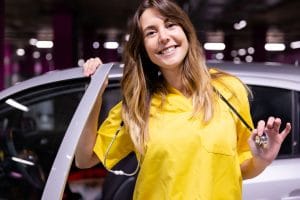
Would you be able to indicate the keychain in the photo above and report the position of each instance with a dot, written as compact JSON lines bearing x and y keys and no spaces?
{"x":261,"y":140}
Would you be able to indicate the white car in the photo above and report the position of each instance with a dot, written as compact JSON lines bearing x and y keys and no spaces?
{"x":41,"y":121}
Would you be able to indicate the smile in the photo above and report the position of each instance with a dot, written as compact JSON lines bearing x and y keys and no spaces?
{"x":168,"y":50}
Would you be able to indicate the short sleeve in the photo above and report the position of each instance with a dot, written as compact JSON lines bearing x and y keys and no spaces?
{"x":240,"y":101}
{"x":236,"y":93}
{"x":120,"y":147}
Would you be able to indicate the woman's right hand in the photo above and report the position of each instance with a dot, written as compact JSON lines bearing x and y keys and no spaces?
{"x":91,"y":65}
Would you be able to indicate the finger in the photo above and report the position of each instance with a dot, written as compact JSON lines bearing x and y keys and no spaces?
{"x":254,"y":133}
{"x":260,"y":127}
{"x":277,"y":124}
{"x":270,"y":122}
{"x":98,"y":60}
{"x":286,"y":130}
{"x":91,"y":65}
{"x":85,"y":69}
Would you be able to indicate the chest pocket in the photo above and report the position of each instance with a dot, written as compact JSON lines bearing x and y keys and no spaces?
{"x":219,"y":136}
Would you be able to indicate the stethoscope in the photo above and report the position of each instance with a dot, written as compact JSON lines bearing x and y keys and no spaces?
{"x":259,"y":140}
{"x":118,"y":172}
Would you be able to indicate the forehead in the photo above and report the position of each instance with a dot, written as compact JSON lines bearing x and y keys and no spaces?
{"x":151,"y":16}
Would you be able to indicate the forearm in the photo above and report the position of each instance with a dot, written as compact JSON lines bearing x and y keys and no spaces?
{"x":84,"y":155}
{"x":253,"y":167}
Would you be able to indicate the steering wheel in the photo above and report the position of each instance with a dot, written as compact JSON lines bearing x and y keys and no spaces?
{"x":25,"y":160}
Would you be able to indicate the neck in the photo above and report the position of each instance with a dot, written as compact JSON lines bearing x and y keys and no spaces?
{"x":174,"y":79}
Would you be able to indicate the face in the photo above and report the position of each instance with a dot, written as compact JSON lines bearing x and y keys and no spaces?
{"x":165,"y":41}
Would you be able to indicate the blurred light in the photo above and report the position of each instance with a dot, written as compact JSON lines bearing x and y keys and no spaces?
{"x":251,"y":50}
{"x":214,"y":46}
{"x":33,"y":41}
{"x":17,"y":105}
{"x":219,"y":56}
{"x":111,"y":45}
{"x":44,"y":44}
{"x":242,"y":52}
{"x":96,"y":45}
{"x":295,"y":45}
{"x":127,"y":36}
{"x":249,"y":59}
{"x":16,"y":174}
{"x":36,"y":54}
{"x":80,"y":62}
{"x":240,"y":25}
{"x":20,"y":52}
{"x":233,"y":53}
{"x":274,"y":47}
{"x":236,"y":60}
{"x":23,"y":161}
{"x":48,"y":56}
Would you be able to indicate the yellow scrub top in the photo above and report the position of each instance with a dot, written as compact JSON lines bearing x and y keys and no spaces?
{"x":185,"y":158}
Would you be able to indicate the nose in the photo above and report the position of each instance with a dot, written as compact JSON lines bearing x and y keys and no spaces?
{"x":163,"y":36}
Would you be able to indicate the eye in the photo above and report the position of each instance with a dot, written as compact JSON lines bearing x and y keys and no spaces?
{"x":149,"y":33}
{"x":170,"y":24}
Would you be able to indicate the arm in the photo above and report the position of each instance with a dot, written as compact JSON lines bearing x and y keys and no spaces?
{"x":264,"y":155}
{"x":84,"y":155}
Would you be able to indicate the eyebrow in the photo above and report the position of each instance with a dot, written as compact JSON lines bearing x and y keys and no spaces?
{"x":150,"y":27}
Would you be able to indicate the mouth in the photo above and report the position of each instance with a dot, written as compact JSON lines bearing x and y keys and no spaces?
{"x":167,"y":51}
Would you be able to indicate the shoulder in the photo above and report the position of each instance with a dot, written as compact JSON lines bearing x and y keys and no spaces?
{"x":227,"y":84}
{"x":115,"y":111}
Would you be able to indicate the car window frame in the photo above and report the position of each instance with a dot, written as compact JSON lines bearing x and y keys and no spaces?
{"x":59,"y":172}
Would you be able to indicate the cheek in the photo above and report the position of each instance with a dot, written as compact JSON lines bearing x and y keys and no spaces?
{"x":149,"y":47}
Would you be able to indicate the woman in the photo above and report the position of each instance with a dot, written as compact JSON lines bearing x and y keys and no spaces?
{"x":190,"y":144}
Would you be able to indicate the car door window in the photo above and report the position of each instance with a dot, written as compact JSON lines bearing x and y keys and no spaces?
{"x":268,"y":101}
{"x":31,"y":135}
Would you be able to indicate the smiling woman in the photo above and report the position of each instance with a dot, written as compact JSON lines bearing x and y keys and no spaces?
{"x":172,"y":117}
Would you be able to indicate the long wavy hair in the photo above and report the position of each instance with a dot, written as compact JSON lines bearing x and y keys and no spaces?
{"x":141,"y":77}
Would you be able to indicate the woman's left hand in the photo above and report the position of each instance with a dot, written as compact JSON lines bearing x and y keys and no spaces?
{"x":268,"y":152}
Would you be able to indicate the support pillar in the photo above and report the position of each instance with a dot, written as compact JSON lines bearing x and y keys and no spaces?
{"x":228,"y":40}
{"x":63,"y":48}
{"x":2,"y":44}
{"x":259,"y":40}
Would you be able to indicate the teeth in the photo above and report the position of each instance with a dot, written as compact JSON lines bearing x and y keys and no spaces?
{"x":168,"y":50}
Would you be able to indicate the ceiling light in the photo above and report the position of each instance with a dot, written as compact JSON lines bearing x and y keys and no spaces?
{"x":96,"y":45}
{"x":295,"y":45}
{"x":274,"y":47}
{"x":36,"y":54}
{"x":48,"y":56}
{"x":219,"y":56}
{"x":249,"y":59}
{"x":44,"y":44}
{"x":33,"y":41}
{"x":217,"y":46}
{"x":80,"y":62}
{"x":251,"y":50}
{"x":240,"y":25}
{"x":20,"y":52}
{"x":111,"y":45}
{"x":242,"y":52}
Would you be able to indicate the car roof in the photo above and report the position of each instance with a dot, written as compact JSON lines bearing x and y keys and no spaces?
{"x":263,"y":74}
{"x":53,"y":77}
